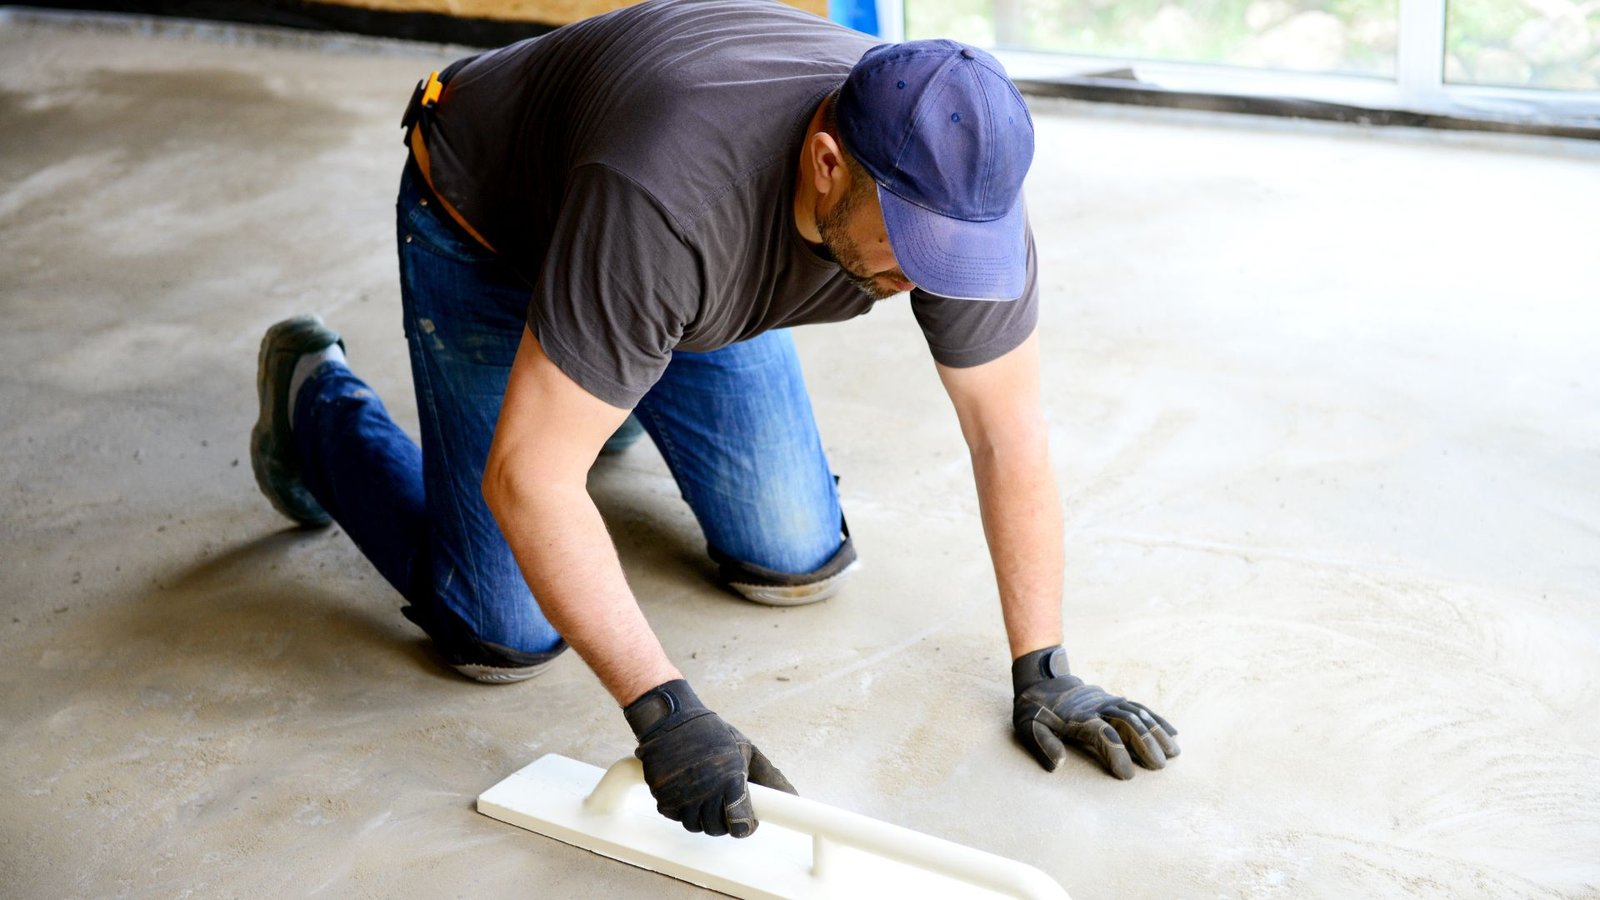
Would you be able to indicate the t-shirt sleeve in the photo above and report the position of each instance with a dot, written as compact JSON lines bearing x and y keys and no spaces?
{"x":616,"y":287}
{"x":965,"y":333}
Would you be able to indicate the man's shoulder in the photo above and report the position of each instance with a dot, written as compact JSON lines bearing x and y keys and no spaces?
{"x":714,"y":104}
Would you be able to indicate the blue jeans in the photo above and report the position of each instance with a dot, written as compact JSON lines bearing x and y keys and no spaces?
{"x":735,"y":427}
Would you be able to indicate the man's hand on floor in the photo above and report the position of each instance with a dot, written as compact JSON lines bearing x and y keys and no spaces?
{"x":1053,"y":707}
{"x":696,"y":764}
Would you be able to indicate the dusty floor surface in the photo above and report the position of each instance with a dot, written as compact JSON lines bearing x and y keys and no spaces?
{"x":1327,"y":422}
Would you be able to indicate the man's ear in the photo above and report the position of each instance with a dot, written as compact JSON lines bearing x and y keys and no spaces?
{"x":829,"y":174}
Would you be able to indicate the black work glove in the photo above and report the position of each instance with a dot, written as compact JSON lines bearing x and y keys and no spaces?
{"x":696,"y":764}
{"x":1053,"y":706}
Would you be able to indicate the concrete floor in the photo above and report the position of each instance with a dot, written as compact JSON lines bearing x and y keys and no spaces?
{"x":1326,"y":418}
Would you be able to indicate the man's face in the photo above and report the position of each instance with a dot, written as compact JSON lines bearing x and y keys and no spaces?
{"x":854,"y":235}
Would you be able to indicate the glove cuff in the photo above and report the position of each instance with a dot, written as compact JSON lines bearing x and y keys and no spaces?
{"x":656,"y":705}
{"x":1040,"y":665}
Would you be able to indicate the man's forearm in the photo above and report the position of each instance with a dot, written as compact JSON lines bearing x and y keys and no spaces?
{"x":1001,"y":418}
{"x":573,"y":571}
{"x":1022,"y":522}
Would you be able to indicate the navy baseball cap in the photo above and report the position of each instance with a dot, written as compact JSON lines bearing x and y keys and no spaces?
{"x":944,"y":133}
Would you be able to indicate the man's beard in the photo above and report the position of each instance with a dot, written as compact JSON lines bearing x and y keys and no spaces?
{"x":834,"y":227}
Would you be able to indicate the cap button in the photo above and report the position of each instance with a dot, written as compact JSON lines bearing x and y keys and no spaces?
{"x":966,"y":53}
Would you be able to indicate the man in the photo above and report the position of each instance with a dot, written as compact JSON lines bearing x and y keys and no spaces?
{"x":623,"y":215}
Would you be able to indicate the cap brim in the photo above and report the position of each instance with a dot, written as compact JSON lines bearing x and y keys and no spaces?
{"x":956,"y":258}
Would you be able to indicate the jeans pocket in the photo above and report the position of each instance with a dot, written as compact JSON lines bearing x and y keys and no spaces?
{"x":424,"y":222}
{"x":420,"y":218}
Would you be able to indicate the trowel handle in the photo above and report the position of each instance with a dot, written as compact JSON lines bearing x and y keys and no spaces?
{"x":830,"y":825}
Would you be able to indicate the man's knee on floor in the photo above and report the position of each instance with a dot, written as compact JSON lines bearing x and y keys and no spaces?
{"x":775,"y":588}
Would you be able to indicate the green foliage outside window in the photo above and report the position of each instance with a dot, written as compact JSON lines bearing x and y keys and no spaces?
{"x":1524,"y":43}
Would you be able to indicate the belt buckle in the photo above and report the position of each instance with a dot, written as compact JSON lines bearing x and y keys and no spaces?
{"x":424,"y":96}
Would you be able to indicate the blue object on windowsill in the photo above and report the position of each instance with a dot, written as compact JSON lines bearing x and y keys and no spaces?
{"x":862,"y":15}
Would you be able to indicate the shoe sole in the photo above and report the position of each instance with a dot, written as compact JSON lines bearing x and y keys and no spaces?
{"x":501,"y":674}
{"x":796,"y":594}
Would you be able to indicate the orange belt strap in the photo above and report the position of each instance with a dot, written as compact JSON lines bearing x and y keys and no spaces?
{"x":419,"y":151}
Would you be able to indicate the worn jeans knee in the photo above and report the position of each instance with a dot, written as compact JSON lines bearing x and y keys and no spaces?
{"x":479,"y":659}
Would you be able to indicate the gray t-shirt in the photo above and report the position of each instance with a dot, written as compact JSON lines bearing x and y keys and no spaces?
{"x":638,"y":169}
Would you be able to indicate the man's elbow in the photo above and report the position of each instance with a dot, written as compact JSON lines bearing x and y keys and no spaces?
{"x":495,"y":485}
{"x":506,"y":485}
{"x":516,"y":484}
{"x":1017,"y":446}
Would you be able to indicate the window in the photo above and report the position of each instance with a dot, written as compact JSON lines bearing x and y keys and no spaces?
{"x":1528,"y":64}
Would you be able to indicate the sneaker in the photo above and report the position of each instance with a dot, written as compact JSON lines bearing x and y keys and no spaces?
{"x":487,"y":674}
{"x":772,"y":588}
{"x":271,"y":444}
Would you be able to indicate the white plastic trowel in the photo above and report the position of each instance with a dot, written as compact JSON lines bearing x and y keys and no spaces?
{"x":803,"y":848}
